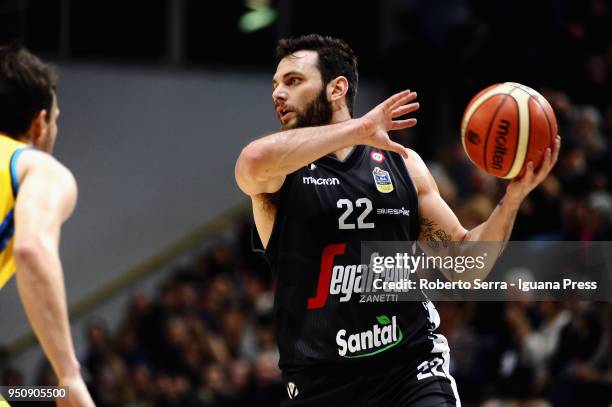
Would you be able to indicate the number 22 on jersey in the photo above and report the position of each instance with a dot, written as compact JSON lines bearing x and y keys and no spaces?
{"x":348,"y":204}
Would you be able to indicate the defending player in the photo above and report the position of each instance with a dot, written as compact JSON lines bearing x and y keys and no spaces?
{"x":316,"y":187}
{"x":37,"y":194}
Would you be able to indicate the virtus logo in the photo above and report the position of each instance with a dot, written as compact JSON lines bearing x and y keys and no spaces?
{"x":370,"y":342}
{"x":292,"y":390}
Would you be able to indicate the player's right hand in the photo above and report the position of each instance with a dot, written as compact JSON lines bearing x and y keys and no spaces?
{"x":380,"y":120}
{"x":78,"y":395}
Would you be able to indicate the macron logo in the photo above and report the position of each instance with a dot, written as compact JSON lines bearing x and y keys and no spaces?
{"x":320,"y":181}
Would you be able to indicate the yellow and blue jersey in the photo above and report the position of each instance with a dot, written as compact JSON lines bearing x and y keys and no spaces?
{"x":10,"y":149}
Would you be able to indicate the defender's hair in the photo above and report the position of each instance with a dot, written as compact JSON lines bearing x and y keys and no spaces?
{"x":26,"y":88}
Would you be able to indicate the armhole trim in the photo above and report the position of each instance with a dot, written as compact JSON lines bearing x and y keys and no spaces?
{"x":13,"y":169}
{"x":6,"y":230}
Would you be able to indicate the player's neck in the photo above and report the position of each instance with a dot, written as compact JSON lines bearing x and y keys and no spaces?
{"x":341,"y":115}
{"x":342,"y":153}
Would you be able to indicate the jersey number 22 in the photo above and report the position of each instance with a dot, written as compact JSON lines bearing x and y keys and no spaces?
{"x":361,"y":223}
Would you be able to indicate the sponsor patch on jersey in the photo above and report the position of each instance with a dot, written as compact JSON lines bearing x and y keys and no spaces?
{"x":382,"y":179}
{"x":384,"y":335}
{"x":393,"y":211}
{"x":377,"y":156}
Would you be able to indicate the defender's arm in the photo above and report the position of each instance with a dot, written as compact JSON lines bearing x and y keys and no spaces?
{"x":46,"y":198}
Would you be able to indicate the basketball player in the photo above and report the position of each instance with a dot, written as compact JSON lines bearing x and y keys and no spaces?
{"x":316,"y":187}
{"x":37,"y":194}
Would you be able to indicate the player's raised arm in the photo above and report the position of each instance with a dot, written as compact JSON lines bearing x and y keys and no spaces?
{"x":438,"y":222}
{"x":263,"y":164}
{"x":47,"y":196}
{"x":498,"y":226}
{"x":440,"y":225}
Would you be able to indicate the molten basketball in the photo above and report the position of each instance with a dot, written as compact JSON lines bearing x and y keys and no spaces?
{"x":505,"y":126}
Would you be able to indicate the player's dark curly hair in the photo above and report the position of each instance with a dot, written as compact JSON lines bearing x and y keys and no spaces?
{"x":336,"y":58}
{"x":26,"y":87}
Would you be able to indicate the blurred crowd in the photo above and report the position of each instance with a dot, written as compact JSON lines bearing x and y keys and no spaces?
{"x":206,"y":338}
{"x":562,"y":49}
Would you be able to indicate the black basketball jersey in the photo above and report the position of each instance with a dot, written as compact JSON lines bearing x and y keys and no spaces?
{"x":324,"y":211}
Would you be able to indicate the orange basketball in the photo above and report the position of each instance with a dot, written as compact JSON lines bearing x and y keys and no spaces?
{"x":505,"y":126}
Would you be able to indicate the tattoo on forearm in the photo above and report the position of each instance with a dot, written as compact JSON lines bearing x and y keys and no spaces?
{"x":433,"y":234}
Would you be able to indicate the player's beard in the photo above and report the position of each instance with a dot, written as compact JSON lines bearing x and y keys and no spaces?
{"x":317,"y":113}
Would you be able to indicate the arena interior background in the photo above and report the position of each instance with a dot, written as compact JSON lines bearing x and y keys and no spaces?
{"x":157,"y":98}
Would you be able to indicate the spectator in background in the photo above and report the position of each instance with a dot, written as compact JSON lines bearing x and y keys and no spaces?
{"x":214,"y":391}
{"x":240,"y":383}
{"x":538,"y":344}
{"x":590,"y":138}
{"x":583,"y":358}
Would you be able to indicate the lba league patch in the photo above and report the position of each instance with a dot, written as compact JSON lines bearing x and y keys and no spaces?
{"x":382,"y":179}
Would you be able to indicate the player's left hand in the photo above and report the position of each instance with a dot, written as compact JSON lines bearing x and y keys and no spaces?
{"x":520,"y":187}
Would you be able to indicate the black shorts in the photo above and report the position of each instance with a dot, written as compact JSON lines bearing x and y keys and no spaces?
{"x":426,"y":383}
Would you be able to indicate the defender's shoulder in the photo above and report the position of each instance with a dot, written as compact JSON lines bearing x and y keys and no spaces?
{"x":33,"y":160}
